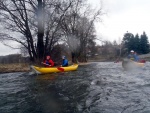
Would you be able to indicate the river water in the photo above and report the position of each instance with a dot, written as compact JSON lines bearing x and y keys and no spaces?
{"x":102,"y":87}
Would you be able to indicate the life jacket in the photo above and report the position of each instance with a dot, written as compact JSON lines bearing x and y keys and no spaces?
{"x":65,"y":62}
{"x":49,"y":62}
{"x":133,"y":57}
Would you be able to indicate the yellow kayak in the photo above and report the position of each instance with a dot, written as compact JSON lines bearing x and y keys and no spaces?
{"x":45,"y":70}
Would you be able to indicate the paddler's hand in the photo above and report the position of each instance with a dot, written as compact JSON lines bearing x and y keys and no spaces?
{"x":45,"y":64}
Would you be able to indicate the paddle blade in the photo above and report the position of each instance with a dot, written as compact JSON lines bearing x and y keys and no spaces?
{"x":142,"y":61}
{"x":60,"y":68}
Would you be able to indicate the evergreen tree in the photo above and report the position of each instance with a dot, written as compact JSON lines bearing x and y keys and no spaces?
{"x":137,"y":44}
{"x":128,"y":41}
{"x":144,"y":44}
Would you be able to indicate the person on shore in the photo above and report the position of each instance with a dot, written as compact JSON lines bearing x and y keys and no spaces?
{"x":64,"y":61}
{"x":48,"y":62}
{"x":133,"y":56}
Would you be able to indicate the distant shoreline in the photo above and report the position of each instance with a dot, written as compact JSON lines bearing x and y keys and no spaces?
{"x":16,"y":67}
{"x":22,"y":67}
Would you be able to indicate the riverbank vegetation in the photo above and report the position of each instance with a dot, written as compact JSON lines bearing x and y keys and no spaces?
{"x":15,"y":67}
{"x":60,"y":27}
{"x":107,"y":51}
{"x":40,"y":26}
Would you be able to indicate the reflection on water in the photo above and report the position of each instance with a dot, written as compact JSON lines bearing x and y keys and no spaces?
{"x":102,"y":87}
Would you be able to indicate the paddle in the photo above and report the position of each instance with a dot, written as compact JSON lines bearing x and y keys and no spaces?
{"x":60,"y":68}
{"x":142,"y":61}
{"x":45,"y":64}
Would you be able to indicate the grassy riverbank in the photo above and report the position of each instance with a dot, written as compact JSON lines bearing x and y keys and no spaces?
{"x":20,"y":67}
{"x":7,"y":68}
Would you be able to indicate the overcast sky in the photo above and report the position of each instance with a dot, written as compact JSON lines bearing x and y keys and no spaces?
{"x":122,"y":16}
{"x":4,"y":50}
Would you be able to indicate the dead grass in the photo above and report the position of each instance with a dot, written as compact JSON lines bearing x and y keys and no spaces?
{"x":6,"y":68}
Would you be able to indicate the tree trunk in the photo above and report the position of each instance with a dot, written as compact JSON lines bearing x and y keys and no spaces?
{"x":40,"y":43}
{"x":74,"y":57}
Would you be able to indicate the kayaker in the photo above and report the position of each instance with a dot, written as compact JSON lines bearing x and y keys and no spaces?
{"x":136,"y":57}
{"x":64,"y":61}
{"x":48,"y":62}
{"x":133,"y":56}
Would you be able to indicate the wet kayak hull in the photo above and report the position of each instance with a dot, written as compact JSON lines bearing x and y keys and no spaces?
{"x":45,"y":70}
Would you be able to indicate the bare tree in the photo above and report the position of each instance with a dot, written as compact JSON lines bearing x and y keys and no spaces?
{"x":32,"y":23}
{"x":39,"y":24}
{"x":78,"y":27}
{"x":54,"y":13}
{"x":15,"y":18}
